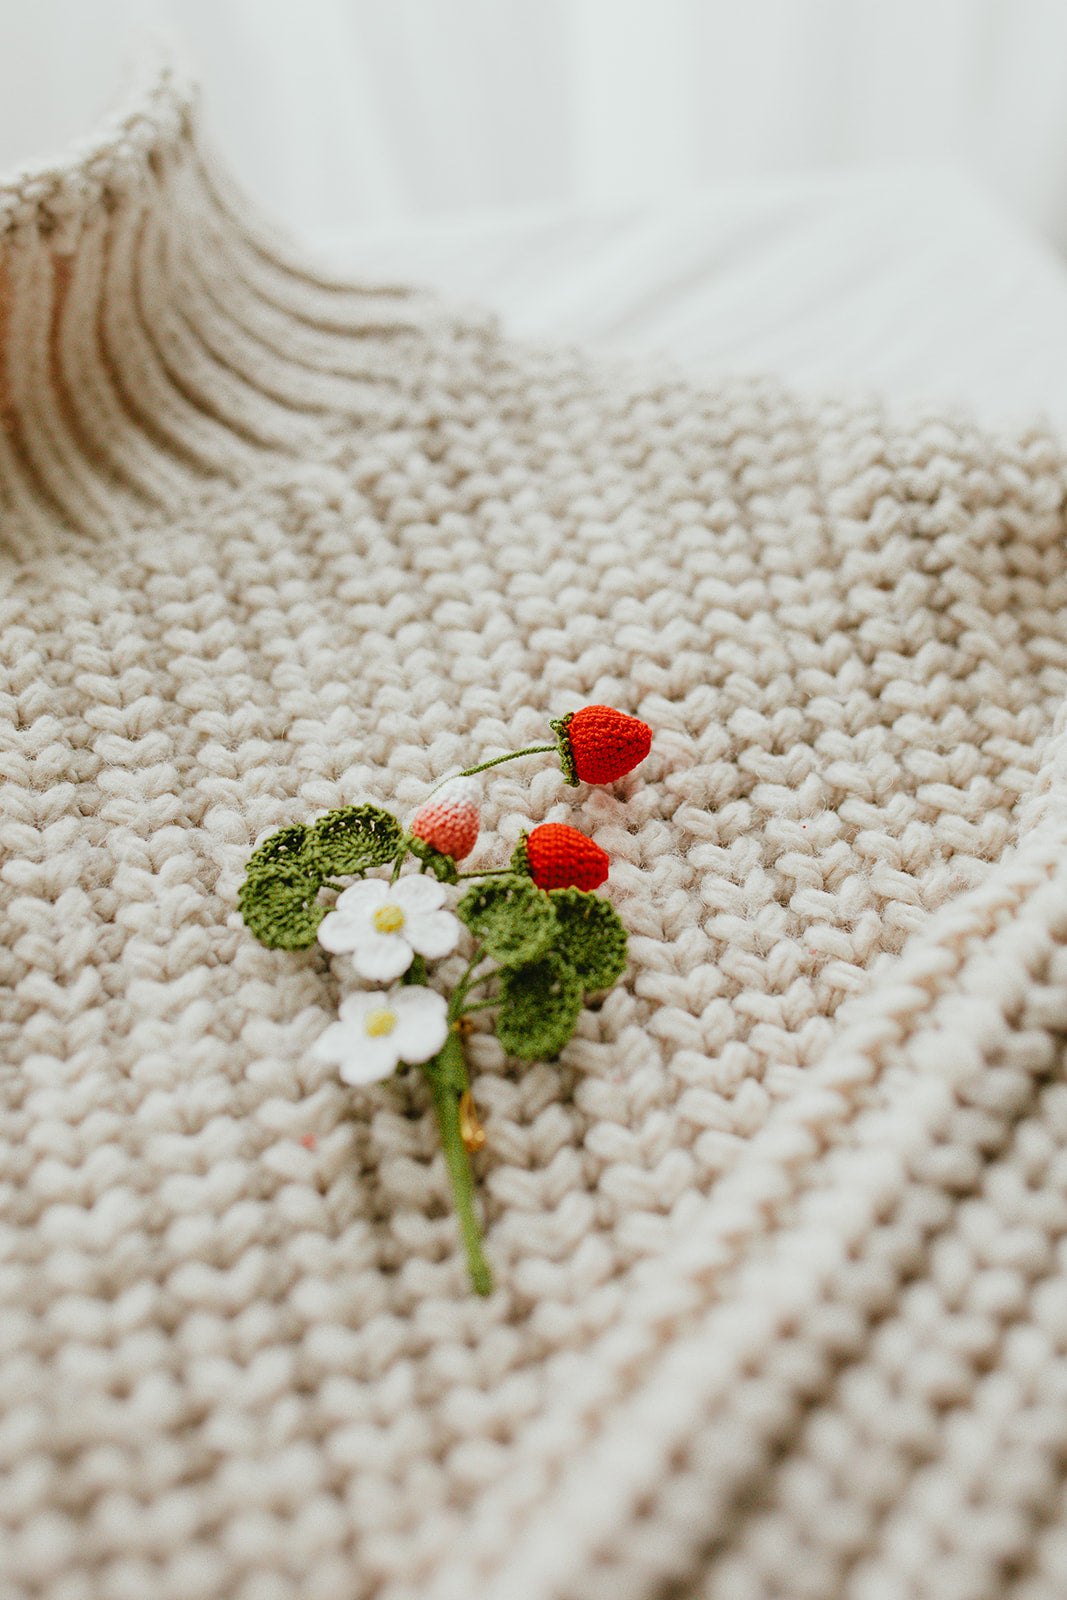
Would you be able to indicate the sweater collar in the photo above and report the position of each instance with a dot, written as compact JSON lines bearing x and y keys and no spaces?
{"x":156,"y":337}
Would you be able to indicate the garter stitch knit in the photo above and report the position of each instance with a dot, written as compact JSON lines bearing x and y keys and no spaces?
{"x":780,"y":1238}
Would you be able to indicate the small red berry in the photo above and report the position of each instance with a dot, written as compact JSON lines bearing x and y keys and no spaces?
{"x":562,"y":858}
{"x":449,"y":819}
{"x":599,"y":744}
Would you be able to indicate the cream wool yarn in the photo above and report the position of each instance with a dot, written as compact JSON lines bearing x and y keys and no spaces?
{"x":779,"y":1240}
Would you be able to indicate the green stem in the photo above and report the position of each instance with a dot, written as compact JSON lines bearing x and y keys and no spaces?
{"x":488,"y":872}
{"x":530,"y":750}
{"x":480,"y":1005}
{"x":466,"y":982}
{"x":446,"y":1074}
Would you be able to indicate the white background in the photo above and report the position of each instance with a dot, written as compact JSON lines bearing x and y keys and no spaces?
{"x":336,"y":112}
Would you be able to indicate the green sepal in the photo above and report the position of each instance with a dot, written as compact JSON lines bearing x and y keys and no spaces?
{"x":539,"y":1006}
{"x":510,"y":917}
{"x":566,"y":754}
{"x":278,"y":904}
{"x":520,"y":857}
{"x":354,"y":838}
{"x":590,"y":937}
{"x":288,"y":847}
{"x":443,"y":867}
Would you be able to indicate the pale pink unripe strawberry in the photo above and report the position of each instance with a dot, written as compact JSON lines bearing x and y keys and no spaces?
{"x":448,"y":820}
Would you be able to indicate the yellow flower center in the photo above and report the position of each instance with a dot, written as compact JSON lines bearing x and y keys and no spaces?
{"x":379,"y":1022}
{"x":388,"y":919}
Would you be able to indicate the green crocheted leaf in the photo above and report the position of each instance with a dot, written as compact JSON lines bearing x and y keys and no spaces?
{"x":354,"y":838}
{"x":279,"y":906}
{"x":590,"y":937}
{"x":289,"y":847}
{"x":511,"y":917}
{"x":539,"y":1005}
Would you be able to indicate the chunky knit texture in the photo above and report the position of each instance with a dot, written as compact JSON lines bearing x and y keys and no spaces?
{"x":779,"y":1238}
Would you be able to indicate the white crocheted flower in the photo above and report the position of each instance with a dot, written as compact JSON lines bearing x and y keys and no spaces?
{"x":383,"y":925}
{"x":377,"y":1031}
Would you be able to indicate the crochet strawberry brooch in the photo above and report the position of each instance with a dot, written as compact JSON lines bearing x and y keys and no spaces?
{"x":538,"y":940}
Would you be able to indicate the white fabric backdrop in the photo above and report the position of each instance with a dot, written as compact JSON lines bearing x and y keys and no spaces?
{"x":337,"y":111}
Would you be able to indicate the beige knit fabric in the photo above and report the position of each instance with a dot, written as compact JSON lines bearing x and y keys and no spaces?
{"x":779,"y":1240}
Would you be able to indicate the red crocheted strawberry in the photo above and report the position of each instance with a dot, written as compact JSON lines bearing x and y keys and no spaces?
{"x":600,"y":744}
{"x":448,"y":820}
{"x":558,"y":857}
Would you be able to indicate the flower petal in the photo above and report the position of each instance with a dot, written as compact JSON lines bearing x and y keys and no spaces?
{"x":415,"y":894}
{"x":337,"y":932}
{"x":354,"y":1007}
{"x":421,"y":1026}
{"x":333,"y":1043}
{"x":433,"y":933}
{"x":371,"y":1060}
{"x":381,"y":957}
{"x":360,"y":899}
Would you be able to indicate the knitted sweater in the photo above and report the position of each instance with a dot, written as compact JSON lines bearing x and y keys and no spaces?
{"x":779,"y":1238}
